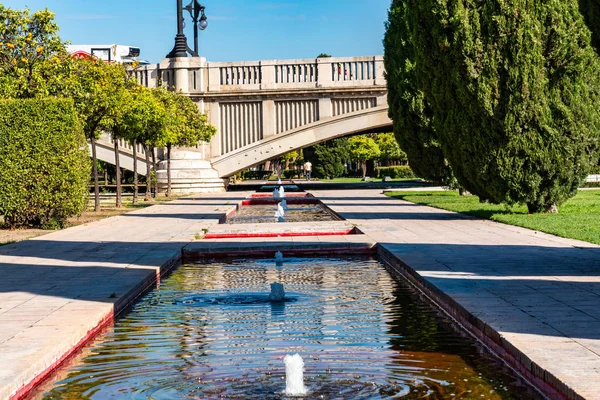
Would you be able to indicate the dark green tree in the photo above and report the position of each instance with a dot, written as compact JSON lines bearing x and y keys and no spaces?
{"x":514,"y":88}
{"x":410,"y":112}
{"x":328,"y":158}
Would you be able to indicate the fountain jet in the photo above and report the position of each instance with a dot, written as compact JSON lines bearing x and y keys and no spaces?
{"x":280,"y":213}
{"x":294,"y":375}
{"x":277,"y":292}
{"x":279,"y":257}
{"x":281,"y":192}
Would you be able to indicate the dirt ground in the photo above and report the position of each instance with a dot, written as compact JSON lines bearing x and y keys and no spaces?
{"x":17,"y":235}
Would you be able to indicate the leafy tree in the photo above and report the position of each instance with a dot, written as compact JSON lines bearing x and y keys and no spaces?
{"x":98,"y":95}
{"x":328,"y":157}
{"x":324,"y":55}
{"x":289,"y":157}
{"x":117,"y":122}
{"x":363,"y":148}
{"x":30,"y":50}
{"x":145,"y":120}
{"x":390,"y":150}
{"x":514,"y":88}
{"x":409,"y":110}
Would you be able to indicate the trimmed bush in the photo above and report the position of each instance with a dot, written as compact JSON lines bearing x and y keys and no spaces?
{"x":44,"y":163}
{"x":398,"y":171}
{"x":292,"y":173}
{"x":260,"y":175}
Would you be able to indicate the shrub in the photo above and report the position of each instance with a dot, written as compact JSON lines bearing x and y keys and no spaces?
{"x":399,"y":171}
{"x":256,"y":174}
{"x":291,"y":173}
{"x":45,"y":167}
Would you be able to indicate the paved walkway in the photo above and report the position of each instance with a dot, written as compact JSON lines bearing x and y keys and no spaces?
{"x":539,"y":292}
{"x":535,"y":294}
{"x":58,"y":288}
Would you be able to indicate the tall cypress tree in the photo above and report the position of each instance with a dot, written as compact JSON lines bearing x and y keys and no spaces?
{"x":514,"y":86}
{"x":408,"y":108}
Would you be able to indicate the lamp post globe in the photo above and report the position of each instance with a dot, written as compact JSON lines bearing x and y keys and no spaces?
{"x":203,"y":23}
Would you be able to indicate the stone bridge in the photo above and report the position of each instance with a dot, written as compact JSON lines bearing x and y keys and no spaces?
{"x":264,"y":109}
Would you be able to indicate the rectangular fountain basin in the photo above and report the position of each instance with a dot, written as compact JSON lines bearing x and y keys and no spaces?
{"x":211,"y":331}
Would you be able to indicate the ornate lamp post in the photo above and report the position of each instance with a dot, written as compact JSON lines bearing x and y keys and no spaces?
{"x":196,"y":11}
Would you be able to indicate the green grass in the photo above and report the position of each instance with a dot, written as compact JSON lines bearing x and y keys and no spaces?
{"x":578,"y":218}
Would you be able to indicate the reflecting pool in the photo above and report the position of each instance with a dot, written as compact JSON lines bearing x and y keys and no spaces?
{"x":264,"y":213}
{"x":209,"y":331}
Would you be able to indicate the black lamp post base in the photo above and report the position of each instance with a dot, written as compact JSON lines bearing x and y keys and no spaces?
{"x":181,"y":47}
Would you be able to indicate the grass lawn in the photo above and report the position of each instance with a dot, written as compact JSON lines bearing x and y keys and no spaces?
{"x":578,"y":218}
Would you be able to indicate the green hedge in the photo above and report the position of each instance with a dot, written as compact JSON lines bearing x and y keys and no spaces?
{"x":260,"y":175}
{"x":45,"y":165}
{"x":292,"y":173}
{"x":399,"y":171}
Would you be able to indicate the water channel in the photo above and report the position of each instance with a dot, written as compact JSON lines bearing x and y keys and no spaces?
{"x":210,"y":331}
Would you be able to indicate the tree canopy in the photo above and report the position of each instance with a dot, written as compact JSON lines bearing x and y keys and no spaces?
{"x":409,"y":110}
{"x":513,"y":88}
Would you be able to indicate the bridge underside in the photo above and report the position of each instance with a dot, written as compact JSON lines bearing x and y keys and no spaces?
{"x":370,"y":120}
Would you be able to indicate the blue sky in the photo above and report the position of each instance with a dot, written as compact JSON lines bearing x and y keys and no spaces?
{"x":238,"y":29}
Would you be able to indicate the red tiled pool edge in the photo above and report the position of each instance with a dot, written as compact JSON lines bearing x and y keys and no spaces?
{"x":121,"y":305}
{"x":537,"y":376}
{"x":351,"y":231}
{"x":334,"y":251}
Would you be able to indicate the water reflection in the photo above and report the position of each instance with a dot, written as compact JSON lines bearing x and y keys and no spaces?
{"x":362,"y":336}
{"x":263,"y":213}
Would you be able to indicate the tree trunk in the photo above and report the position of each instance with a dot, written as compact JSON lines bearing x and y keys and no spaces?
{"x":364,"y":169}
{"x":135,"y":174}
{"x":95,"y":172}
{"x":551,"y":208}
{"x":538,"y":208}
{"x":168,"y":170}
{"x":154,"y":169}
{"x":148,"y":195}
{"x":117,"y":173}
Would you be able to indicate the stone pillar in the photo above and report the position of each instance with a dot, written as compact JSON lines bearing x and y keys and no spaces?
{"x":214,"y":77}
{"x":214,"y":117}
{"x":325,"y":110}
{"x":267,"y":69}
{"x":379,"y":71}
{"x":324,"y":72}
{"x":190,"y":171}
{"x":268,"y":118}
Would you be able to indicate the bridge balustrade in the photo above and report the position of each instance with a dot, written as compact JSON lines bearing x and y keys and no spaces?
{"x":320,"y":73}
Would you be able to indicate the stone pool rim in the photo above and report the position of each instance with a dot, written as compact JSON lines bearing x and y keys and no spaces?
{"x":535,"y":376}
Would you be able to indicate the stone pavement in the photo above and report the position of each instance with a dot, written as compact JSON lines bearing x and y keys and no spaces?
{"x":58,"y":289}
{"x":539,"y":294}
{"x":535,"y":296}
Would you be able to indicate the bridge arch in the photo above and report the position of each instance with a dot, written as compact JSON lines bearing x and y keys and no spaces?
{"x":368,"y":120}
